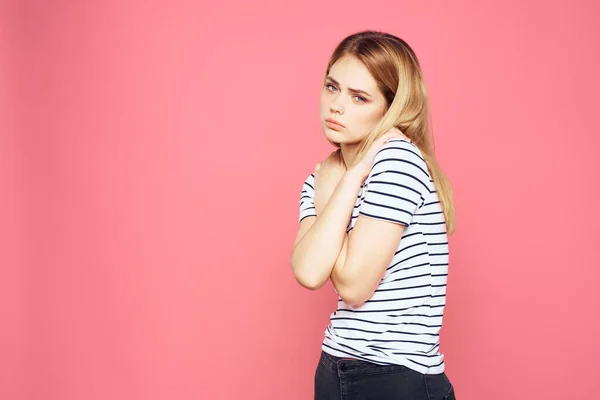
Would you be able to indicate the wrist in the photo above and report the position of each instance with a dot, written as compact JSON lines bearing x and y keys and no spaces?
{"x":356,"y":174}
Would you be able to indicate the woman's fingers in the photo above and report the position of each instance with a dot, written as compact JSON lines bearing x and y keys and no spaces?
{"x":383,"y":139}
{"x":380,"y":141}
{"x":400,"y":133}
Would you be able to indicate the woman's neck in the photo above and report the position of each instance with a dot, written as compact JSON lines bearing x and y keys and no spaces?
{"x":348,"y":153}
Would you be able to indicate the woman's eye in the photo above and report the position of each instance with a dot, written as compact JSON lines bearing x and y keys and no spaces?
{"x":330,"y":87}
{"x":360,"y":99}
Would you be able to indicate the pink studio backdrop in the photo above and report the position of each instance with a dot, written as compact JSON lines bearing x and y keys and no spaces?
{"x":152,"y":156}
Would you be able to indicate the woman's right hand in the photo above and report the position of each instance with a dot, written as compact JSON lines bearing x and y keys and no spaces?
{"x":328,"y":174}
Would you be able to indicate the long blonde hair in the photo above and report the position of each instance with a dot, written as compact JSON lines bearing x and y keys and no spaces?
{"x":395,"y":67}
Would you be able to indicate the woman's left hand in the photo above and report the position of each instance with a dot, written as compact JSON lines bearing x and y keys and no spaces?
{"x":363,"y":168}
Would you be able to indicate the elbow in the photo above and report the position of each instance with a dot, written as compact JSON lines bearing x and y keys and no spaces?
{"x":310,"y":283}
{"x":352,"y":297}
{"x":352,"y":291}
{"x":307,"y":279}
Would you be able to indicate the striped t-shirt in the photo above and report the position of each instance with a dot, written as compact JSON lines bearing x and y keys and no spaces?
{"x":400,"y":323}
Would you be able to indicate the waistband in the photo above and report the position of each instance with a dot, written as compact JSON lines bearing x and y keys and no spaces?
{"x":353,"y":367}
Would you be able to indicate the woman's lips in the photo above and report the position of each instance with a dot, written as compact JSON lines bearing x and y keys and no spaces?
{"x":336,"y":126}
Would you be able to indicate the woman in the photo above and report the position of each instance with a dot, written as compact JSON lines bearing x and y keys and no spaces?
{"x":374,"y":218}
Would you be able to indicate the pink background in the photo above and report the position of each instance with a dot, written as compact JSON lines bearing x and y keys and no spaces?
{"x":151,"y":158}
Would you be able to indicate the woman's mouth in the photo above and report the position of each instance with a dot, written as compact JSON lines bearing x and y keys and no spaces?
{"x":333,"y":124}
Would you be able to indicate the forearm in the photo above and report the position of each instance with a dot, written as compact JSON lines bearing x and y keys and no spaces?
{"x":315,"y":255}
{"x":341,"y":260}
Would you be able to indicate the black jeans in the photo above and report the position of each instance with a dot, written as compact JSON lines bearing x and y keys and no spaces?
{"x":342,"y":379}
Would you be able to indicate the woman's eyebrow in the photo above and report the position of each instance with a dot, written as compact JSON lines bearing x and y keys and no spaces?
{"x":352,"y":90}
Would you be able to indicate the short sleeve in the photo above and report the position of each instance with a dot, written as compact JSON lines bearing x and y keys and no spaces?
{"x":397,"y":184}
{"x":307,"y":198}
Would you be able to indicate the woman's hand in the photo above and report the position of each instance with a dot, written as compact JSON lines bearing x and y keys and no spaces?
{"x":363,"y":168}
{"x":328,"y":173}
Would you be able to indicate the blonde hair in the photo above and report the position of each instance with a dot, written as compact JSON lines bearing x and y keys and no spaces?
{"x":395,"y":67}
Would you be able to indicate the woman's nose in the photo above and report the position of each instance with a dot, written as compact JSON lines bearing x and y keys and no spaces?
{"x":336,"y":107}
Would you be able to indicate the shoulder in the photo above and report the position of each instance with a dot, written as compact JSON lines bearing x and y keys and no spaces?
{"x":399,"y":154}
{"x":399,"y":148}
{"x":400,"y":163}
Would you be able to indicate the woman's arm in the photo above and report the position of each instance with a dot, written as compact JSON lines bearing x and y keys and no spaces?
{"x":320,"y":239}
{"x":317,"y":250}
{"x":398,"y":184}
{"x":367,"y":251}
{"x":341,"y":260}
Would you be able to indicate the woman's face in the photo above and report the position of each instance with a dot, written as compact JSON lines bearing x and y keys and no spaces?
{"x":351,"y":102}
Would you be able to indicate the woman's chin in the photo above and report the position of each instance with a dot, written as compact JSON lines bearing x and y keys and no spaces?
{"x":333,"y":136}
{"x":340,"y":139}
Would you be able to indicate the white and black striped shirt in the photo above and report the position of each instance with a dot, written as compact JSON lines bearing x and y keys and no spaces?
{"x":401,"y":322}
